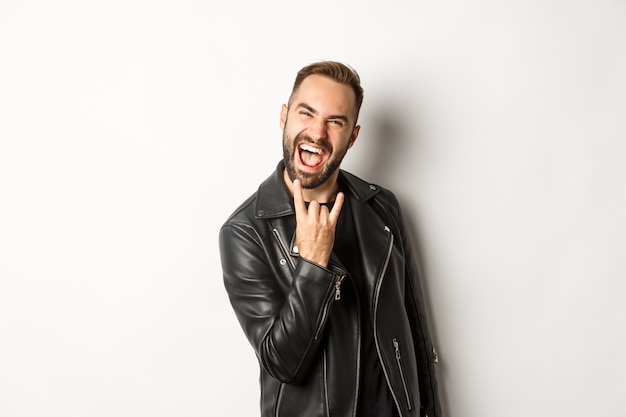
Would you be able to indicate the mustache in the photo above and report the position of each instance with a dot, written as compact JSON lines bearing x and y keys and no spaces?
{"x":324,"y":144}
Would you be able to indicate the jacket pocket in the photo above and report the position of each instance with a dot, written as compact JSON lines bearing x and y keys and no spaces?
{"x":405,"y":387}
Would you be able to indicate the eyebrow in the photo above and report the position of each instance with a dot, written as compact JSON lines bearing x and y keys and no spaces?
{"x":315,"y":112}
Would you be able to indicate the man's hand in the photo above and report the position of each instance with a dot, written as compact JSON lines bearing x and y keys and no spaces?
{"x":315,"y":227}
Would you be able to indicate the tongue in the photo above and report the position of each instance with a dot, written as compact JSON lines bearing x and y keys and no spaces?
{"x":310,"y":159}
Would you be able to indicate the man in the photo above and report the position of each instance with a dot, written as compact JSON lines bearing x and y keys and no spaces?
{"x":321,"y":275}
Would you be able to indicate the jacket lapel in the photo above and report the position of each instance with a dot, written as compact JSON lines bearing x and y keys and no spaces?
{"x":372,"y":234}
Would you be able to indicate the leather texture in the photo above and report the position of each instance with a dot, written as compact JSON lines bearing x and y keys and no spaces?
{"x":305,"y":335}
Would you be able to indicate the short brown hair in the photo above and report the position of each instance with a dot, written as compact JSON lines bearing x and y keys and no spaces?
{"x":339,"y":72}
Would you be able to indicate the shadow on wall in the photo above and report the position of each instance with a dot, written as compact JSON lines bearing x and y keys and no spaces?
{"x":389,"y":160}
{"x":391,"y":138}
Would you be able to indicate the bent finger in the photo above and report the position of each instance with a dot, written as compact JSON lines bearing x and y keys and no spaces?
{"x":315,"y":208}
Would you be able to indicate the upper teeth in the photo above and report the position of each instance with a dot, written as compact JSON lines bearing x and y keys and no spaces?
{"x":310,"y":148}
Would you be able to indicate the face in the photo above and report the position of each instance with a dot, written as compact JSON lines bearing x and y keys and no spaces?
{"x":318,"y":129}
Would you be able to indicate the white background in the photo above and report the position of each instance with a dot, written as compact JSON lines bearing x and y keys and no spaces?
{"x":131,"y":129}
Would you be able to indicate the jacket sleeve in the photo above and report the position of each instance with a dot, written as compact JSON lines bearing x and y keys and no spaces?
{"x":424,"y":350}
{"x":284,"y":327}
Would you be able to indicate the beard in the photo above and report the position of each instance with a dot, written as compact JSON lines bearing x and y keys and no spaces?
{"x":310,"y":180}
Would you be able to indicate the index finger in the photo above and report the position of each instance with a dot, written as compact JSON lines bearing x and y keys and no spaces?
{"x":298,"y":198}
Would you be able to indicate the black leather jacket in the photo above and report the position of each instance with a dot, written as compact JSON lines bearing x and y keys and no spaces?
{"x":305,"y":338}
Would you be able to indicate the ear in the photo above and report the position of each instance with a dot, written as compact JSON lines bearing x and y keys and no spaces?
{"x":283,"y":116}
{"x":355,"y":134}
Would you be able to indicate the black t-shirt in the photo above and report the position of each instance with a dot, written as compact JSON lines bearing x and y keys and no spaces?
{"x":375,"y":399}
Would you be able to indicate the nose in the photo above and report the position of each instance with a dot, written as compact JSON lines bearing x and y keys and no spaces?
{"x":318,"y":129}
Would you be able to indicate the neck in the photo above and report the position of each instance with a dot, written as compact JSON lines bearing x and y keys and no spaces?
{"x":325,"y":193}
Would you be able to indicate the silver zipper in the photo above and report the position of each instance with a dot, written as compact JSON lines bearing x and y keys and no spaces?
{"x":339,"y":279}
{"x":283,"y":247}
{"x":396,"y":346}
{"x":337,"y":290}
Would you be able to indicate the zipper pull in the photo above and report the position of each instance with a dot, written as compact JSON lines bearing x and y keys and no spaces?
{"x":338,"y":282}
{"x":397,"y":347}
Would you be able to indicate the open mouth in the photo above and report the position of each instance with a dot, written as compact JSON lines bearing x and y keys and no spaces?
{"x":311,"y":156}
